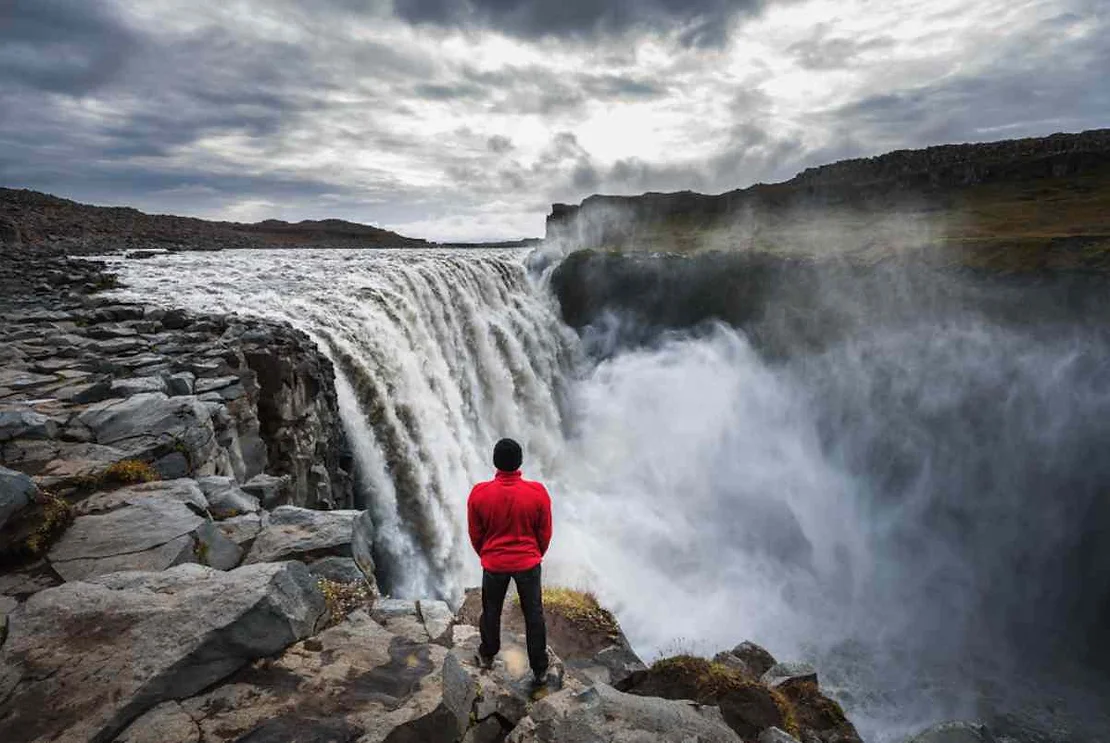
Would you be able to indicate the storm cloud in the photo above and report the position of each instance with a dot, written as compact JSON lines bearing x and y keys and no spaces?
{"x":465,"y":119}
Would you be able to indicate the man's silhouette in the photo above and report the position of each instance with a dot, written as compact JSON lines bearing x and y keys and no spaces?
{"x":509,"y":520}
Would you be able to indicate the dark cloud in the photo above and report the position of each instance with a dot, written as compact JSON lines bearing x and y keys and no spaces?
{"x":702,"y":22}
{"x":64,"y":46}
{"x":499,"y":144}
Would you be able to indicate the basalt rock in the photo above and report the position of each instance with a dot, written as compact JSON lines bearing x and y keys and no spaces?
{"x":98,"y":654}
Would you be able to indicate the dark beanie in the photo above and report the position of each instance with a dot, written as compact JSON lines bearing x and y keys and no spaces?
{"x":507,"y":455}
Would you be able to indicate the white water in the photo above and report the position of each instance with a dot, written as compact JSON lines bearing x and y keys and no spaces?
{"x":695,"y":486}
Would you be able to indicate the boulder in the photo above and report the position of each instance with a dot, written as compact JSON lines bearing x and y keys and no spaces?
{"x":26,"y":424}
{"x":354,"y":681}
{"x":954,"y":732}
{"x":103,"y":652}
{"x":401,"y":617}
{"x":304,"y":534}
{"x":181,"y":384}
{"x":176,"y":434}
{"x":783,"y":674}
{"x":751,"y":660}
{"x":774,"y":735}
{"x":149,"y":533}
{"x":17,"y":491}
{"x":748,"y":707}
{"x":225,"y":498}
{"x":580,"y":631}
{"x":136,"y":385}
{"x":270,"y":490}
{"x":504,"y":692}
{"x":212,"y":547}
{"x":241,"y":529}
{"x":338,"y":569}
{"x":182,"y":490}
{"x":438,"y":620}
{"x":601,"y":713}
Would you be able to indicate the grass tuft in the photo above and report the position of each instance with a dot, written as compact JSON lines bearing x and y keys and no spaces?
{"x":129,"y":472}
{"x":580,"y":608}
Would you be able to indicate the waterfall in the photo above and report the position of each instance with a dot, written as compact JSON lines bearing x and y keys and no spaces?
{"x":912,"y":503}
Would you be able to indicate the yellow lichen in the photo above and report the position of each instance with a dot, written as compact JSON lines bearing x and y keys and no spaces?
{"x":129,"y":472}
{"x":343,"y":598}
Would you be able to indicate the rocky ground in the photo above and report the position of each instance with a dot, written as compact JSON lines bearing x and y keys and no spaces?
{"x":181,"y":561}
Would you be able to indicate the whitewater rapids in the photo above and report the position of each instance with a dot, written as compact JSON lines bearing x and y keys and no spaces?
{"x":707,"y":494}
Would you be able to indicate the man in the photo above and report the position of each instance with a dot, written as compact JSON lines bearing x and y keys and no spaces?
{"x":509,"y":519}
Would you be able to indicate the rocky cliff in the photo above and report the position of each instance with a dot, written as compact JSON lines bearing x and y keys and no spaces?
{"x":1019,"y":205}
{"x":32,"y":219}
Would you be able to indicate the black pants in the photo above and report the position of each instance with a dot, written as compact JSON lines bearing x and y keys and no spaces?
{"x":494,"y":587}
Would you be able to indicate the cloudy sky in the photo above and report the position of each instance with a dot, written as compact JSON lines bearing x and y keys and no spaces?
{"x":465,"y":119}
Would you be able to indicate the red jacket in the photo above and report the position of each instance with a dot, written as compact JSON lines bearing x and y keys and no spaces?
{"x":509,"y":519}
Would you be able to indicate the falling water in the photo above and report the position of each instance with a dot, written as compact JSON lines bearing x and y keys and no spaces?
{"x":903,"y":506}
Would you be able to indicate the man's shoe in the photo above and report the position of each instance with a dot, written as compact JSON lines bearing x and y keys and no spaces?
{"x":539,"y":679}
{"x":484,"y":662}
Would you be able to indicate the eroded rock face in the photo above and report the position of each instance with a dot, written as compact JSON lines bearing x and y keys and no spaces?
{"x":100,"y":653}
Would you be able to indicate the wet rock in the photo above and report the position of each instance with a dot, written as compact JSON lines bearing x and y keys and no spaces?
{"x":149,"y":533}
{"x":225,"y":498}
{"x":17,"y":491}
{"x":301,"y":533}
{"x":362,"y":544}
{"x":79,"y":645}
{"x":602,"y":713}
{"x":954,"y":732}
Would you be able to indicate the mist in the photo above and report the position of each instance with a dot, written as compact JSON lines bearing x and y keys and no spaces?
{"x":889,"y":470}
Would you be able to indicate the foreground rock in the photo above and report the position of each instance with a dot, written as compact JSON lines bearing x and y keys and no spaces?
{"x":585,"y":635}
{"x":100,"y":653}
{"x":788,"y":700}
{"x":355,"y":681}
{"x":601,"y":713}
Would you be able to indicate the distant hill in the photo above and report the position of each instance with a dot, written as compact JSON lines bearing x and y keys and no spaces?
{"x":36,"y":219}
{"x":1014,"y":205}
